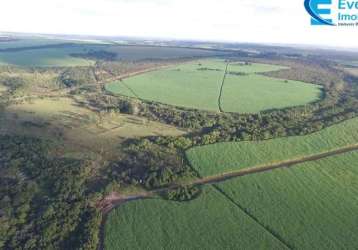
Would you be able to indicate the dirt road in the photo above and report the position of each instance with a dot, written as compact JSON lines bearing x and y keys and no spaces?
{"x":113,"y":200}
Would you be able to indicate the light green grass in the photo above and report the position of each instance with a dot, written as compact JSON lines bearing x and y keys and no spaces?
{"x":183,"y":85}
{"x":253,"y":68}
{"x":209,"y":222}
{"x":311,"y":206}
{"x":63,"y":120}
{"x":186,"y":86}
{"x":45,"y":58}
{"x":254,"y":93}
{"x":120,"y":87}
{"x":2,"y":89}
{"x":231,"y":156}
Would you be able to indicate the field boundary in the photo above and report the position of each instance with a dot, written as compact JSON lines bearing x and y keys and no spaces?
{"x":266,"y":228}
{"x":130,"y":89}
{"x":222,"y":88}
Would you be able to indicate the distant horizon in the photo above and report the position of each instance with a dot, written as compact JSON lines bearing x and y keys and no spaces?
{"x":163,"y":38}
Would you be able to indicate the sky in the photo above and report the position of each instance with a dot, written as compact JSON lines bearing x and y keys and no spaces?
{"x":259,"y":21}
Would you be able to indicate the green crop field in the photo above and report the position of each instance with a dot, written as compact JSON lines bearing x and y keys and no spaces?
{"x":183,"y":85}
{"x":209,"y":222}
{"x":254,"y":93}
{"x":310,"y":206}
{"x":231,"y":156}
{"x":197,"y":85}
{"x":45,"y":58}
{"x":253,"y":68}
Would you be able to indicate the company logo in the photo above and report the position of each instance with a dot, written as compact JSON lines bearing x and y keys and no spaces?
{"x":313,"y":8}
{"x":333,"y":12}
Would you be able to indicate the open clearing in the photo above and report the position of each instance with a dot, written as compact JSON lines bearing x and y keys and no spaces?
{"x":225,"y":157}
{"x":2,"y":89}
{"x":209,"y":222}
{"x":197,"y":85}
{"x":353,"y":71}
{"x":52,"y":57}
{"x":62,"y":119}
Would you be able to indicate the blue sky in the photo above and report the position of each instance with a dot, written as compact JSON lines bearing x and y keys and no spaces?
{"x":263,"y":21}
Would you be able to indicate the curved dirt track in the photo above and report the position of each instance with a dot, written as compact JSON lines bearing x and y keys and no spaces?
{"x":110,"y":202}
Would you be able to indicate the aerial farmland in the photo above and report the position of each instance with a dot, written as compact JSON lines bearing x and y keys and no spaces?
{"x":124,"y":145}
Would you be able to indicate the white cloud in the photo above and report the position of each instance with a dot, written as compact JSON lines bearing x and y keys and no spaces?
{"x":269,"y":21}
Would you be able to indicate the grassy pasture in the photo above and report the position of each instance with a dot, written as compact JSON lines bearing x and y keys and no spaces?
{"x":50,"y":57}
{"x":253,"y":68}
{"x":311,"y":206}
{"x":209,"y":222}
{"x":197,"y":85}
{"x":63,"y":120}
{"x":24,"y":83}
{"x":225,"y":157}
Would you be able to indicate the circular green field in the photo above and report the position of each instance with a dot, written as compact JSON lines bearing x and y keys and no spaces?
{"x":201,"y":85}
